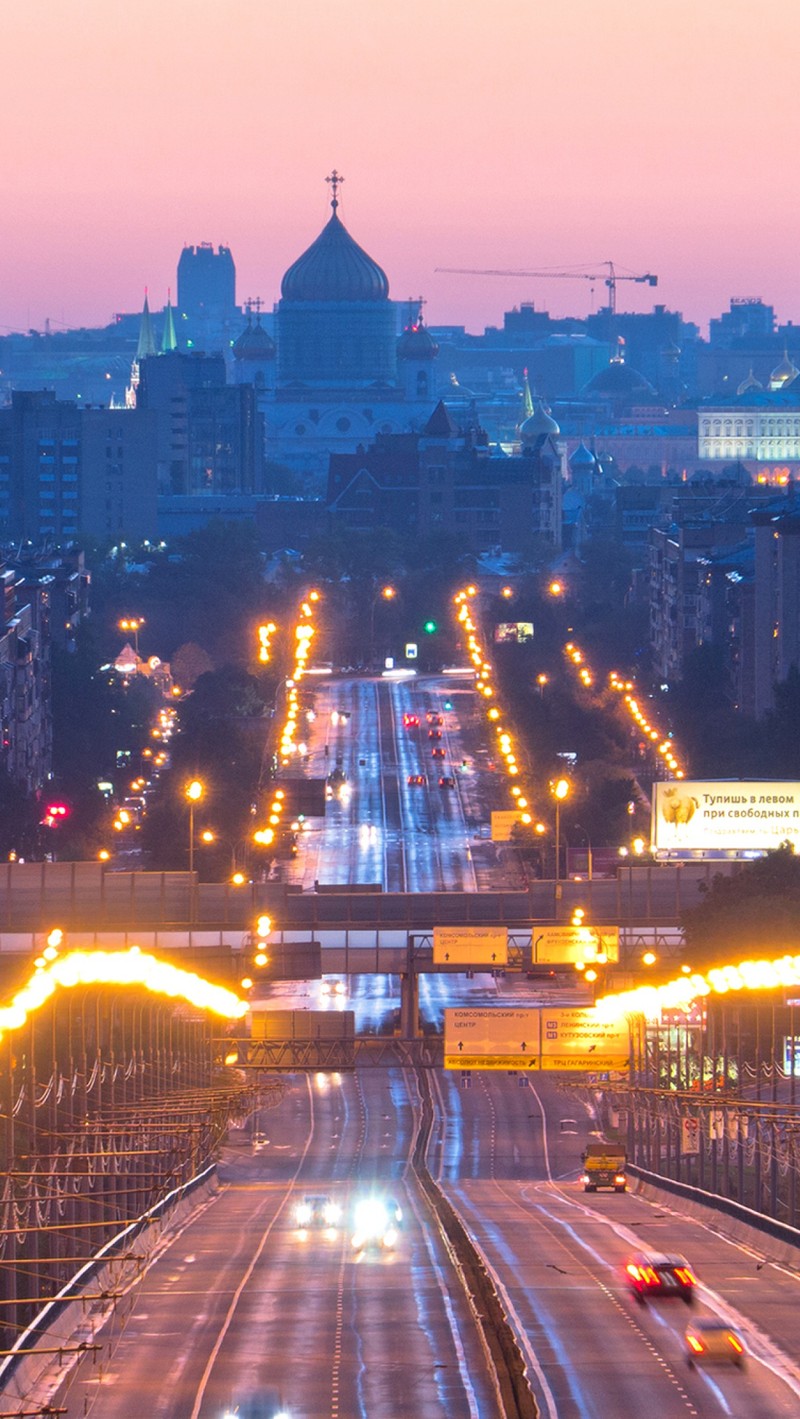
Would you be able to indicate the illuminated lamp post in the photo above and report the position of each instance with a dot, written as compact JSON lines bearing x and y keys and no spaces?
{"x":134,"y":624}
{"x":192,"y":793}
{"x":560,"y":790}
{"x":385,"y":593}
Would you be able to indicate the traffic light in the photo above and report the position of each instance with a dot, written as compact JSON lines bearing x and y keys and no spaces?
{"x":55,"y":813}
{"x":430,"y":628}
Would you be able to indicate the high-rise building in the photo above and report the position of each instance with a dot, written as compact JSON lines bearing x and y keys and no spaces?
{"x":210,"y":433}
{"x":206,"y":297}
{"x":65,"y":470}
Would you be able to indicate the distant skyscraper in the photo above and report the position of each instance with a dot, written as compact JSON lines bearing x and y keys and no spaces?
{"x":206,"y":297}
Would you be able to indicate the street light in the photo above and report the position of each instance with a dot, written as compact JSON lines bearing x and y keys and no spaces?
{"x":132,"y":623}
{"x":560,"y":790}
{"x":384,"y":593}
{"x":193,"y":793}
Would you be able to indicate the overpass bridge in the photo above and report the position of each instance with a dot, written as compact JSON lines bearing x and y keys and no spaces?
{"x":87,"y":896}
{"x":210,"y":926}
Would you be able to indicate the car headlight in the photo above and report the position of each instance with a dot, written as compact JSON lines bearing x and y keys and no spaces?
{"x":302,"y":1214}
{"x":331,"y":1213}
{"x":390,"y":1237}
{"x":371,"y":1219}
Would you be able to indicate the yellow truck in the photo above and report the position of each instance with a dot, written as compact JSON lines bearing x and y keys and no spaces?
{"x":604,"y":1166}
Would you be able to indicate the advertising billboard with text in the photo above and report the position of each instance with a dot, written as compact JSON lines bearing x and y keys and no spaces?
{"x":719,"y":816}
{"x":513,"y":632}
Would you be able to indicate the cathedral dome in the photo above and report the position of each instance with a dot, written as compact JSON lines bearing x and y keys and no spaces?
{"x":416,"y":343}
{"x":254,"y":343}
{"x":783,"y":374}
{"x":582,"y":457}
{"x":335,"y":268}
{"x":539,"y":425}
{"x":750,"y":383}
{"x":618,"y":380}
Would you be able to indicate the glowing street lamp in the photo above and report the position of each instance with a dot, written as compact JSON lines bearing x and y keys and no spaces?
{"x":193,"y":792}
{"x":560,"y":790}
{"x":133,"y":624}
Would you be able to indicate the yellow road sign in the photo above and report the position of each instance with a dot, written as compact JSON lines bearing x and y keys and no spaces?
{"x":535,"y":1037}
{"x":502,"y":824}
{"x":580,"y":1034}
{"x":470,"y":945}
{"x":554,"y":945}
{"x":493,"y":1061}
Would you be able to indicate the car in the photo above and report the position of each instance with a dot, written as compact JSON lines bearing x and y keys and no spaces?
{"x":437,"y":752}
{"x":376,"y":1223}
{"x":411,"y":721}
{"x":332,"y":987}
{"x":711,"y":1341}
{"x":317,"y":1210}
{"x":416,"y":780}
{"x":434,"y":718}
{"x":654,"y":1274}
{"x":434,"y":733}
{"x":447,"y":781}
{"x":266,"y":1404}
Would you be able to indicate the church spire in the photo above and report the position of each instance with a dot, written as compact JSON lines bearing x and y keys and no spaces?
{"x":147,"y":344}
{"x":169,"y":340}
{"x":335,"y":181}
{"x":527,"y":398}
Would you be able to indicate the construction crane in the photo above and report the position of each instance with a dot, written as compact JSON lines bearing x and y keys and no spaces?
{"x":610,"y":279}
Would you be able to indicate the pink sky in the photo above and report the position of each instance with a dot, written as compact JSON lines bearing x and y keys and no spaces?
{"x":507,"y":133}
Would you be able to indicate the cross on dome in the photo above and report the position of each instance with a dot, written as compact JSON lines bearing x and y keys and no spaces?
{"x":335,"y":181}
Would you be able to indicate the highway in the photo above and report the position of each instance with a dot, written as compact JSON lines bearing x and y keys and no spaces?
{"x":507,"y":1157}
{"x":379,"y":827}
{"x":243,"y":1303}
{"x":242,"y":1306}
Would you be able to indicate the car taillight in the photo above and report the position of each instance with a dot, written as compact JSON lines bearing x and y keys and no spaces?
{"x":585,"y":1179}
{"x":695,"y":1344}
{"x":649,"y":1276}
{"x":734,"y":1343}
{"x":619,"y":1179}
{"x":685,"y":1276}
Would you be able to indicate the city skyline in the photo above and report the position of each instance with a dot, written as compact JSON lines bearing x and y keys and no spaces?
{"x":476,"y":136}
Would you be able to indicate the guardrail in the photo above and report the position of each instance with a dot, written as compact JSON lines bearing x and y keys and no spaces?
{"x":736,"y":1211}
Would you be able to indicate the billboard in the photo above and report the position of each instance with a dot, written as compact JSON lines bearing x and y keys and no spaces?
{"x":724,"y":816}
{"x":513,"y":632}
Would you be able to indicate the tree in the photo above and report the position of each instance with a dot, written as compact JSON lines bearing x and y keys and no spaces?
{"x":188,"y":663}
{"x":754,"y":912}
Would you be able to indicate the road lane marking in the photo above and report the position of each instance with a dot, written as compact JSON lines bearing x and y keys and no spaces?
{"x":231,"y":1311}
